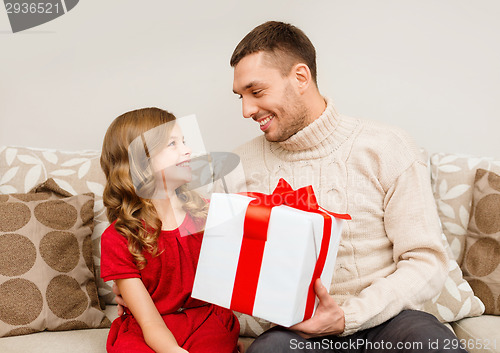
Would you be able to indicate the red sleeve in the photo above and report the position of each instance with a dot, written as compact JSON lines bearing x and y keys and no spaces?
{"x":116,"y":260}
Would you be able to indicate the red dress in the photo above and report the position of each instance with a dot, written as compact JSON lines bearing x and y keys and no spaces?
{"x":168,"y":277}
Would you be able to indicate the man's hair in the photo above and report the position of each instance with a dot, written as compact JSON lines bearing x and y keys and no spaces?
{"x":285,"y":44}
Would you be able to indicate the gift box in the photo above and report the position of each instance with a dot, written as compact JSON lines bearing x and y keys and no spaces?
{"x":261,"y":254}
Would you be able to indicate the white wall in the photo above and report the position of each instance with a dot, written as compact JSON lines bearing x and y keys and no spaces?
{"x":431,"y":67}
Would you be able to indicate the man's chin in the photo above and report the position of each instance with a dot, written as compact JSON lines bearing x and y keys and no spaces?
{"x":273,"y":138}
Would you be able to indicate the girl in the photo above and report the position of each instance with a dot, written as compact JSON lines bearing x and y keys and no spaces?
{"x":152,"y":246}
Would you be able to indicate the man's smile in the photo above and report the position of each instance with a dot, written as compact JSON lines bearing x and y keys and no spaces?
{"x":265,"y":122}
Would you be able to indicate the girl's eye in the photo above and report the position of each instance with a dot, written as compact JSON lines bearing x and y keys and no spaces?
{"x":172,"y":143}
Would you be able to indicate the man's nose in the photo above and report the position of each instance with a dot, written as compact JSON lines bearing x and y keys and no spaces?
{"x":249,"y":108}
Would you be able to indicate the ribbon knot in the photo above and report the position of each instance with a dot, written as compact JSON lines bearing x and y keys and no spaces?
{"x":259,"y":209}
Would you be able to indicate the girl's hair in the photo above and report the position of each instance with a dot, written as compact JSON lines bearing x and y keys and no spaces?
{"x":136,"y":216}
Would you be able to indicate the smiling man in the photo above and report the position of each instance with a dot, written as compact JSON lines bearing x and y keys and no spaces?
{"x":391,"y":259}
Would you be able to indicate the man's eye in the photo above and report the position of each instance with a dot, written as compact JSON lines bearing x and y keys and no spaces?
{"x":256,"y":93}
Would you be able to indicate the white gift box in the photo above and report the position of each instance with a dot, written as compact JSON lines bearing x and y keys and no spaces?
{"x":294,"y":239}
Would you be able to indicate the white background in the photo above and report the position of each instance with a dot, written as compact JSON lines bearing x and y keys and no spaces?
{"x":431,"y":67}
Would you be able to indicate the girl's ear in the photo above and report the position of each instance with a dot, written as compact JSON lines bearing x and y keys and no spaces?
{"x":302,"y":76}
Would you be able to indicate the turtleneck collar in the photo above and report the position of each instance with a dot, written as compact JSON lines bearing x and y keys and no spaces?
{"x":321,"y":137}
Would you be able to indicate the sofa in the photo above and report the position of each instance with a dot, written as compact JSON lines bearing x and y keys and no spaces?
{"x":53,"y":300}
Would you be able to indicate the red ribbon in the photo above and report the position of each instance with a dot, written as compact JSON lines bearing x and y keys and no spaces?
{"x":255,"y":228}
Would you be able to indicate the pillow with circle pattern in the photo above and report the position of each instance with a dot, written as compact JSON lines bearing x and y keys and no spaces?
{"x":46,"y":267}
{"x":78,"y":172}
{"x":481,"y":264}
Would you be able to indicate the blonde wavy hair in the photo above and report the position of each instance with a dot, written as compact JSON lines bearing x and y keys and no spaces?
{"x":136,"y":217}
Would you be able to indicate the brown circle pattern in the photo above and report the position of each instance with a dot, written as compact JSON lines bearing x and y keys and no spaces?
{"x":494,"y":181}
{"x":65,"y":297}
{"x":482,"y":290}
{"x":13,"y":216}
{"x":483,"y":257}
{"x":21,"y":255}
{"x":487,"y":214}
{"x":481,"y":264}
{"x":4,"y":198}
{"x":479,"y":174}
{"x":72,"y":325}
{"x":20,"y":331}
{"x":20,"y":301}
{"x":68,"y":255}
{"x":56,"y":214}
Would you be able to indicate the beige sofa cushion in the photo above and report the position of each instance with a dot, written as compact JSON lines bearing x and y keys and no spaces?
{"x":479,"y":334}
{"x":75,"y":341}
{"x":77,"y":172}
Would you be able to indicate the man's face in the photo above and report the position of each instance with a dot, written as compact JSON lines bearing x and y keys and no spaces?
{"x":270,"y":99}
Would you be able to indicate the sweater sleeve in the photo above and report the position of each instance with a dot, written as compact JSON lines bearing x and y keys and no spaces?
{"x":412,"y":225}
{"x":116,"y":260}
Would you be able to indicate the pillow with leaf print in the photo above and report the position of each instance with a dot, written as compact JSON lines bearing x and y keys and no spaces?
{"x":456,"y":300}
{"x":452,"y":178}
{"x":78,"y":172}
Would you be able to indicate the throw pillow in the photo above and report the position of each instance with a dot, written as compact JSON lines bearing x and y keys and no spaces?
{"x":46,"y":268}
{"x":481,"y":263}
{"x":456,"y":300}
{"x":251,"y":326}
{"x":77,"y":172}
{"x":452,"y":176}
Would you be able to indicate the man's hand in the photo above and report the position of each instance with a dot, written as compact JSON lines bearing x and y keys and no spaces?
{"x":327,"y":320}
{"x":119,"y":300}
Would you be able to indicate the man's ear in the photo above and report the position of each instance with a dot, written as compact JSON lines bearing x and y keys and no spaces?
{"x":303,"y":77}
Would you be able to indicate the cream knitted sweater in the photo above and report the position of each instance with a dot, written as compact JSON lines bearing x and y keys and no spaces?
{"x":390,"y":256}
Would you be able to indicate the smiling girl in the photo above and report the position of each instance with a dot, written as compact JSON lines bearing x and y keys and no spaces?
{"x":152,"y":246}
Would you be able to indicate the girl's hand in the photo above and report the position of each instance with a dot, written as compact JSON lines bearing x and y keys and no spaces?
{"x":241,"y":347}
{"x":119,"y":300}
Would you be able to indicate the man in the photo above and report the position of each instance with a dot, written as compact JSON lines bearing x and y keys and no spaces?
{"x":391,"y":258}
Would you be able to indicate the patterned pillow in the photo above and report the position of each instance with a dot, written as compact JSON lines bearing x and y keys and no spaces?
{"x":251,"y":326}
{"x":46,"y":267}
{"x":481,"y":263}
{"x":22,"y":168}
{"x":452,"y":179}
{"x":456,"y":300}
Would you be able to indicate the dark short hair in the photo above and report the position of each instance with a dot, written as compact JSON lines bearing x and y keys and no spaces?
{"x":286,"y":45}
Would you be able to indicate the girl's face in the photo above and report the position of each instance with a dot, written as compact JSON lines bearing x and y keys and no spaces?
{"x":171,"y":162}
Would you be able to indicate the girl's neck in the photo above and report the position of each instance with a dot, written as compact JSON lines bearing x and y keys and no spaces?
{"x":170,"y":212}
